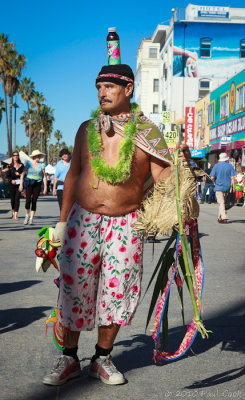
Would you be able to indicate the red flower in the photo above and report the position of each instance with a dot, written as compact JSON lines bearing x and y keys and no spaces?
{"x":126,"y":276}
{"x":75,"y":309}
{"x":82,"y":234}
{"x":96,"y":272}
{"x":79,"y":323}
{"x":103,"y":304}
{"x":123,"y":222}
{"x":68,"y":279}
{"x":134,"y":240}
{"x":95,"y":259}
{"x":85,"y":285}
{"x":116,"y":53}
{"x":126,"y":260}
{"x":85,"y":255}
{"x":102,"y":230}
{"x":91,"y":311}
{"x":109,"y":236}
{"x":113,"y":282}
{"x":134,"y":214}
{"x":114,"y":221}
{"x":69,"y":251}
{"x":72,"y":233}
{"x":119,"y":296}
{"x":84,"y":244}
{"x":73,"y":212}
{"x":87,"y":219}
{"x":136,"y":258}
{"x":109,"y":223}
{"x":122,"y":249}
{"x":113,"y":294}
{"x":88,"y":300}
{"x":119,"y":237}
{"x":97,"y":216}
{"x":90,"y":271}
{"x":89,"y":320}
{"x":109,"y":318}
{"x":135,"y":289}
{"x":81,"y":271}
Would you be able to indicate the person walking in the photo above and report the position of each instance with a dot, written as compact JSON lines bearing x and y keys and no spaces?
{"x":61,"y":170}
{"x":223,"y":174}
{"x":104,"y":187}
{"x":208,"y":186}
{"x":35,"y":176}
{"x":13,"y":174}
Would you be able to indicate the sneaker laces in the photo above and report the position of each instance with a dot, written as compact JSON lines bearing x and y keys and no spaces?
{"x":59,"y":365}
{"x":108,"y":365}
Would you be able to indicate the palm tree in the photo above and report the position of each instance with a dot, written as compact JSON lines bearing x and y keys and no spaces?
{"x":36,"y":103}
{"x":11,"y":66}
{"x":46,"y":121}
{"x":58,"y":136}
{"x":2,"y":108}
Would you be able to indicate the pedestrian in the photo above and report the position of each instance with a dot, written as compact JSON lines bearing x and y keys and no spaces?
{"x":3,"y":188}
{"x":61,"y":170}
{"x":208,"y":186}
{"x":104,"y":187}
{"x":223,"y":175}
{"x":35,"y":176}
{"x":13,"y":174}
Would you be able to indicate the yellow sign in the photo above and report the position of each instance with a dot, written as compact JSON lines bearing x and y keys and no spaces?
{"x":232,"y":98}
{"x":166,"y":117}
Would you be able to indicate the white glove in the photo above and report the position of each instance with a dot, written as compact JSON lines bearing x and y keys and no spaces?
{"x":59,"y":232}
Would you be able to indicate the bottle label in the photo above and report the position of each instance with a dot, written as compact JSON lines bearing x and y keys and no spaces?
{"x":113,"y":52}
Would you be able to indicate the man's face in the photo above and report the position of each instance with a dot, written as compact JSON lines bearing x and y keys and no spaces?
{"x":65,"y":157}
{"x":113,"y":98}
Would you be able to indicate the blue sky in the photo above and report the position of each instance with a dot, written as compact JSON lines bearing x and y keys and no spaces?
{"x":65,"y":46}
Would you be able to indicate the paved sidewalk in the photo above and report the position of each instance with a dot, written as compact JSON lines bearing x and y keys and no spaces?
{"x":215,"y":367}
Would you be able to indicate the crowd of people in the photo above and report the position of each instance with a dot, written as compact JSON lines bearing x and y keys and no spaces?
{"x":30,"y":178}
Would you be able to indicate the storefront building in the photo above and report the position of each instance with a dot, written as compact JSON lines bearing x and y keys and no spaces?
{"x":226,"y":119}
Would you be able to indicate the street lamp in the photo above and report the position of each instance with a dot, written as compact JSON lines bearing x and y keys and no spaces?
{"x":15,"y":106}
{"x":29,"y":123}
{"x":41,"y":138}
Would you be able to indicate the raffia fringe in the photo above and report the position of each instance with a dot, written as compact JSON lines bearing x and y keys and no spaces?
{"x":158,"y":215}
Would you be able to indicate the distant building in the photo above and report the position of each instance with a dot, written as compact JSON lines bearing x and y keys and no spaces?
{"x":200,"y":49}
{"x":147,"y":77}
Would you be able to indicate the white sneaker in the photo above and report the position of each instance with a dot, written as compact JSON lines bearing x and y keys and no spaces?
{"x":64,"y":368}
{"x":104,"y":369}
{"x":31,"y":221}
{"x":26,"y":219}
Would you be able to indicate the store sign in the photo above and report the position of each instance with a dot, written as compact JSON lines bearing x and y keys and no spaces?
{"x":189,"y":126}
{"x":198,"y":153}
{"x":171,"y":140}
{"x":166,"y":117}
{"x":225,"y":140}
{"x":213,"y":12}
{"x":236,"y":125}
{"x":232,"y":98}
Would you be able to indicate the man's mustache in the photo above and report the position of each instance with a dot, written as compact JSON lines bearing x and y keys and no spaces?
{"x":105,"y":101}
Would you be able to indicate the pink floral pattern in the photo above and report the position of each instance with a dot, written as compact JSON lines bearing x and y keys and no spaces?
{"x":110,"y":252}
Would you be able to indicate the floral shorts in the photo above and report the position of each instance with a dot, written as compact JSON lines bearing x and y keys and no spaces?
{"x":101,"y":258}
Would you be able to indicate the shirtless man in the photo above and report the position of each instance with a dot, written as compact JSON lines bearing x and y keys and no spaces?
{"x":100,"y":242}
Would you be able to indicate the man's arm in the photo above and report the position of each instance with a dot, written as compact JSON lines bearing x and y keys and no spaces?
{"x":54,"y":186}
{"x":72,"y":176}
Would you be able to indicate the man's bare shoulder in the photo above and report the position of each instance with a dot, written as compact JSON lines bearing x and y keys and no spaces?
{"x":83,"y":127}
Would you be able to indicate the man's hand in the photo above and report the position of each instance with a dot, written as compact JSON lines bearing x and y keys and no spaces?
{"x":59,"y":232}
{"x":54,"y":192}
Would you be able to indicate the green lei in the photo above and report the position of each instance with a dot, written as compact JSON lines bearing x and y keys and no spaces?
{"x":120,"y":172}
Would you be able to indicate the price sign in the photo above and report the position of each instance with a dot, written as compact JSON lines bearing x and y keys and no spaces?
{"x":166,"y":117}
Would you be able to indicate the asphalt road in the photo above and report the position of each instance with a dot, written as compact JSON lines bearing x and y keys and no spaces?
{"x":214,"y":369}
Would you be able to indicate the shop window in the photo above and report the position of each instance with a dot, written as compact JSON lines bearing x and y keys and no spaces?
{"x":164,"y":107}
{"x":155,"y":85}
{"x":242,"y":48}
{"x":211,"y":113}
{"x":240,"y":98}
{"x":205,"y":47}
{"x":152,"y":52}
{"x":155,"y":108}
{"x":224,"y":106}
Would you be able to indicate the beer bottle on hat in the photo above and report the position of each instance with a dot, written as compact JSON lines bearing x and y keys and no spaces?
{"x":113,"y":47}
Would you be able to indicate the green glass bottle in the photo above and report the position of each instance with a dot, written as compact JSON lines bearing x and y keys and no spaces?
{"x":113,"y":47}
